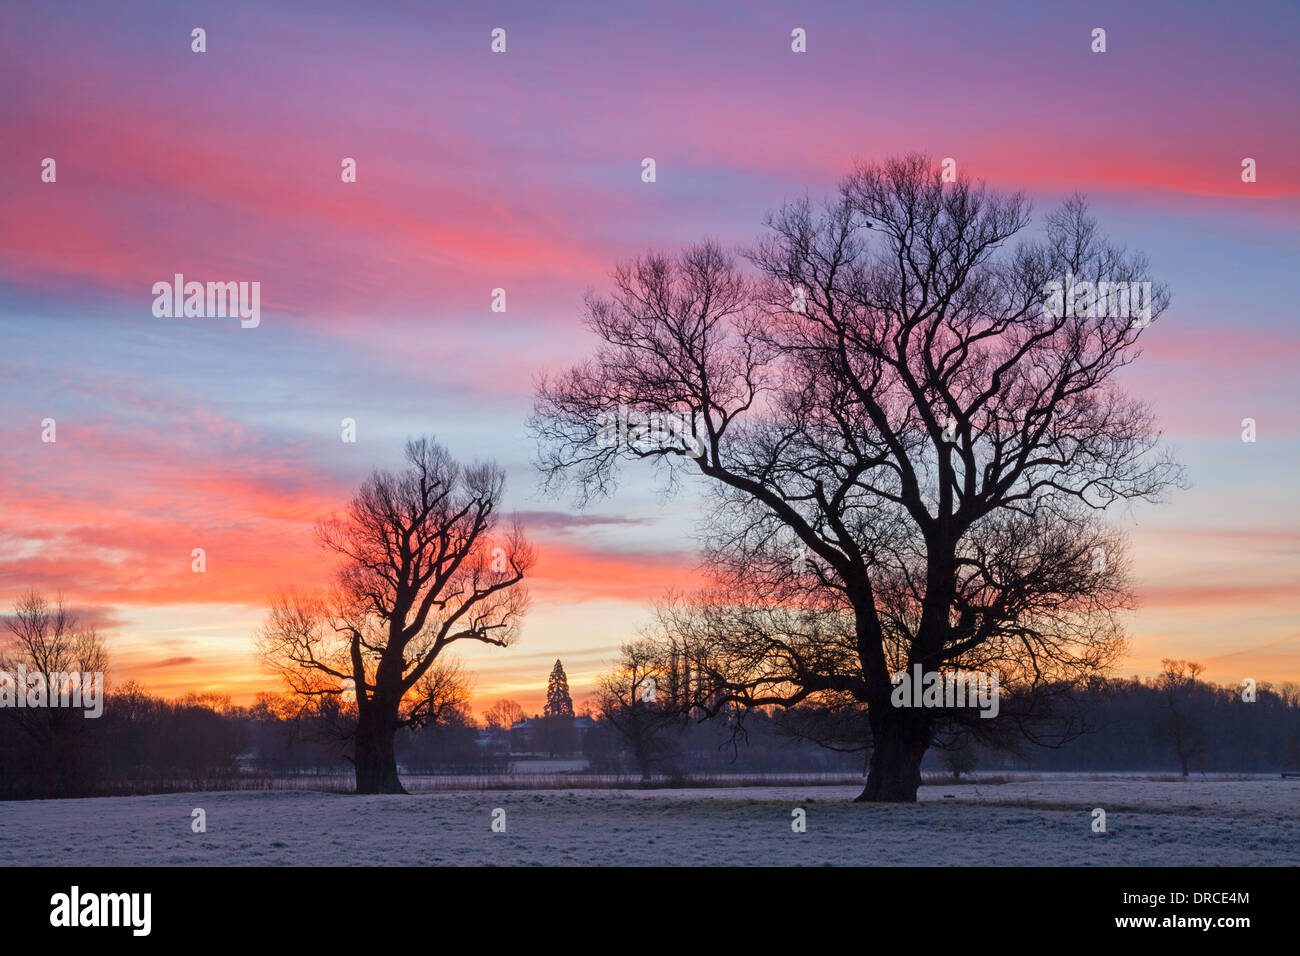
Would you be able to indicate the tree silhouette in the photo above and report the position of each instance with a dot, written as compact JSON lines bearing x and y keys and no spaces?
{"x":558,"y":701}
{"x":910,"y":434}
{"x":1179,"y":725}
{"x":636,"y":699}
{"x":51,"y":641}
{"x":421,"y":568}
{"x":503,"y":715}
{"x":556,"y":722}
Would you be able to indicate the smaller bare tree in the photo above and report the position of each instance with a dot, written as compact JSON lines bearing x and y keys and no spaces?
{"x":422,"y":567}
{"x":959,"y":757}
{"x":636,"y":699}
{"x":503,"y":715}
{"x":50,"y":640}
{"x":1179,"y":686}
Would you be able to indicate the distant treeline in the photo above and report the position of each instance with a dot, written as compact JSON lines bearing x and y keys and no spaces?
{"x":1192,"y":726}
{"x":143,"y":743}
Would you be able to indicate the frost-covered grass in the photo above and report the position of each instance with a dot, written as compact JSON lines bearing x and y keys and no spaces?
{"x":543,"y":777}
{"x":1045,"y":821}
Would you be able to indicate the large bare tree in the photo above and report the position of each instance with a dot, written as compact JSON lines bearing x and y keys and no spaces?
{"x":911,"y":427}
{"x":423,"y":565}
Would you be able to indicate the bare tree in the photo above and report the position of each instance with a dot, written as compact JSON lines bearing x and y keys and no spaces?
{"x":443,"y":693}
{"x":910,"y":434}
{"x":636,"y":698}
{"x":960,"y":758}
{"x":422,"y":567}
{"x":1179,"y":686}
{"x":503,"y":715}
{"x":50,"y":641}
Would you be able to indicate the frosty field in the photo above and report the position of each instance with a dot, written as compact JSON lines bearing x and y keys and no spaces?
{"x":1038,"y":822}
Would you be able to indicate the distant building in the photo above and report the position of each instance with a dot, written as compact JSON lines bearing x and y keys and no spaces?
{"x":525,"y":737}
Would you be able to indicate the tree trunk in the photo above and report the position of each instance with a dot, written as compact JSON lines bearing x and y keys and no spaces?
{"x":642,"y":761}
{"x":900,"y":740}
{"x":375,"y":759}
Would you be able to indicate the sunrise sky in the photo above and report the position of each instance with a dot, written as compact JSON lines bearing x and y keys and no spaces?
{"x":522,"y":171}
